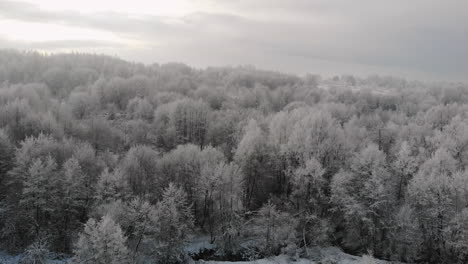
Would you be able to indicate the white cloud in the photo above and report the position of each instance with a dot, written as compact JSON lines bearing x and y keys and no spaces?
{"x":423,"y":38}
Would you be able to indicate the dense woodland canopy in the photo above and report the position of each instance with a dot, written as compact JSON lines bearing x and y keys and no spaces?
{"x":116,"y":162}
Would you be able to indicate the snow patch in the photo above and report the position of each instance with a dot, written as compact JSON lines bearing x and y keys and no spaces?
{"x":198,"y":244}
{"x":9,"y":259}
{"x":329,"y":255}
{"x":281,"y":259}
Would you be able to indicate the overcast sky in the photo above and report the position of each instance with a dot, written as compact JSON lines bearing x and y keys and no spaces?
{"x":423,"y":39}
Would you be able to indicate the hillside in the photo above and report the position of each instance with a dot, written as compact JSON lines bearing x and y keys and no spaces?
{"x":122,"y":162}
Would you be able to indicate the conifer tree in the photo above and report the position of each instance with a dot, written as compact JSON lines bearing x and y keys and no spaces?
{"x":174,"y":221}
{"x":101,"y":243}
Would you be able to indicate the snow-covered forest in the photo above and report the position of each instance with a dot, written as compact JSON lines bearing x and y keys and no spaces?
{"x":106,"y":161}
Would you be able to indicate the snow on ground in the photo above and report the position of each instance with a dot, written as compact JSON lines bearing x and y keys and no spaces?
{"x":329,"y":255}
{"x":336,"y":255}
{"x":198,"y":243}
{"x":8,"y":259}
{"x":282,"y":259}
{"x":317,"y":255}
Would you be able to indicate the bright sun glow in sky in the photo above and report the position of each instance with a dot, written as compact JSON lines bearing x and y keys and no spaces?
{"x":14,"y":30}
{"x":169,"y":8}
{"x":37,"y":32}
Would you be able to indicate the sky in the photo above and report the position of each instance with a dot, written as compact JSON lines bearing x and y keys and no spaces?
{"x":416,"y":39}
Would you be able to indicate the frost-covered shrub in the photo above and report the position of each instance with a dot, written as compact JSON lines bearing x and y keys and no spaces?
{"x":36,"y":253}
{"x":275,"y":229}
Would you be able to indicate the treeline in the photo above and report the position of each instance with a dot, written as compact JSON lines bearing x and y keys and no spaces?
{"x":117,"y":162}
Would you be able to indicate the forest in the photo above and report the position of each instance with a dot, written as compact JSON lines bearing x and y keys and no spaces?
{"x":108,"y":161}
